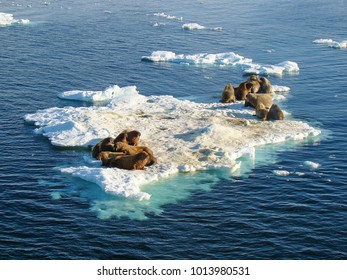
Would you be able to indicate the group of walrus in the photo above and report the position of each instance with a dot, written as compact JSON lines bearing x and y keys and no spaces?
{"x":256,"y":93}
{"x":123,"y":152}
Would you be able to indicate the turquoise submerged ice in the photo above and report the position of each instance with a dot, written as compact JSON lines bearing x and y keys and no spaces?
{"x":185,"y":136}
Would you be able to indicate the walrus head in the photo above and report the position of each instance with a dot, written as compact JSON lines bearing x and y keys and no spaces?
{"x":249,"y":86}
{"x":119,"y":146}
{"x":133,"y":137}
{"x":253,"y":78}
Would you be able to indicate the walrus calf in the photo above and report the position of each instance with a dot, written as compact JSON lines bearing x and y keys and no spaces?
{"x":253,"y":99}
{"x":275,"y":113}
{"x":131,"y":137}
{"x":228,"y":94}
{"x":106,"y":144}
{"x":131,"y":162}
{"x":132,"y":150}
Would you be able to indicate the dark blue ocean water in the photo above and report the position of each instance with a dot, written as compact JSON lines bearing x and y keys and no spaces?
{"x":209,"y":215}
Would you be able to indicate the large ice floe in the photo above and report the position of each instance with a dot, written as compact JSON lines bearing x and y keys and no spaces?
{"x":225,"y":59}
{"x":8,"y":19}
{"x":184,"y":135}
{"x":331,"y":43}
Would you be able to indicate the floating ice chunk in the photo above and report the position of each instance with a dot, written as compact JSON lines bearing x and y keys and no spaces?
{"x":216,"y":28}
{"x":160,"y":56}
{"x":339,"y":45}
{"x":311,"y":164}
{"x":323,"y":41}
{"x":274,"y":70}
{"x":196,"y":26}
{"x":224,"y":59}
{"x":24,"y":21}
{"x":281,"y":172}
{"x":289,"y":66}
{"x":230,"y":58}
{"x":163,"y":15}
{"x":158,"y":24}
{"x":331,"y":43}
{"x":192,"y":26}
{"x":8,"y":19}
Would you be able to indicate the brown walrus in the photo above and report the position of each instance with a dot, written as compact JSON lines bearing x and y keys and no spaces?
{"x":106,"y":144}
{"x":254,"y":80}
{"x":131,"y":137}
{"x":253,"y":99}
{"x":132,"y":150}
{"x":265,"y":86}
{"x":242,"y":90}
{"x":228,"y":94}
{"x":275,"y":113}
{"x":107,"y":157}
{"x":131,"y":162}
{"x":261,"y":111}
